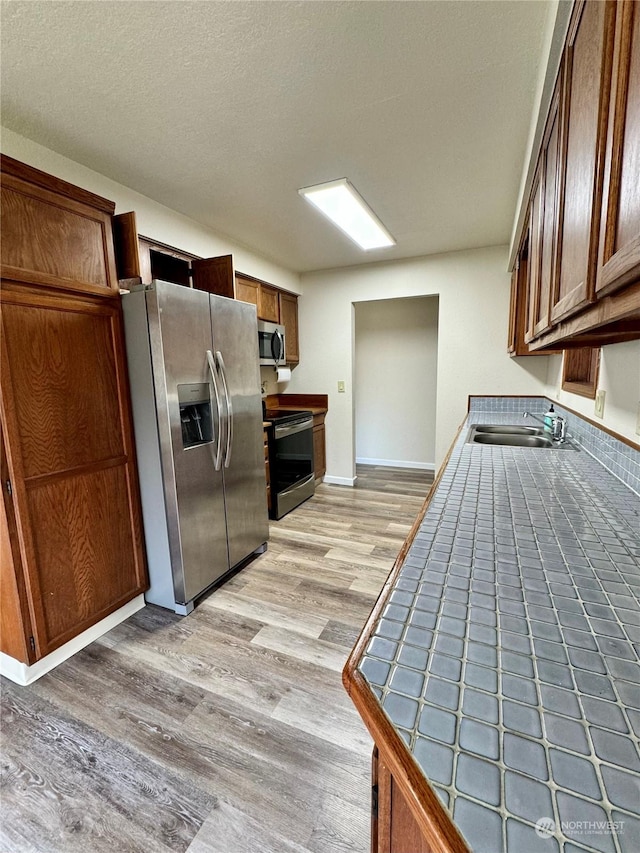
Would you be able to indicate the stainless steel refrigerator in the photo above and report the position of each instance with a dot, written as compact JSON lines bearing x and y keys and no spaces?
{"x":195,"y":389}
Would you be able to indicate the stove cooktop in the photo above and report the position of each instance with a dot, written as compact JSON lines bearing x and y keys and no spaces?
{"x":278,"y":416}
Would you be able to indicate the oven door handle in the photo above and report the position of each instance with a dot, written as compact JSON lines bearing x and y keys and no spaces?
{"x":291,"y":429}
{"x":298,"y":485}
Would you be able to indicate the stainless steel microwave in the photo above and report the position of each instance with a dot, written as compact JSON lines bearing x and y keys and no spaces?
{"x":271,"y":343}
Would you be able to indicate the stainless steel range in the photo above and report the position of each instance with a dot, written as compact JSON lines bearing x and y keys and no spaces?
{"x":290,"y":459}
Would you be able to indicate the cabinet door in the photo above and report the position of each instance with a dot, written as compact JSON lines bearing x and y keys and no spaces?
{"x":66,"y":422}
{"x":396,"y":830}
{"x":619,"y":256}
{"x":514,"y":307}
{"x":125,"y":238}
{"x":289,"y":319}
{"x":587,"y":61}
{"x":268,"y":304}
{"x":319,"y":451}
{"x":535,"y":255}
{"x":247,"y":290}
{"x":548,"y":219}
{"x":215,"y":275}
{"x":267,"y":472}
{"x":55,"y":234}
{"x":15,"y":624}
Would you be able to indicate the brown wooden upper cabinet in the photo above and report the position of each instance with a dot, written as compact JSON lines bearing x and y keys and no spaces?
{"x":536,"y":212}
{"x":288,"y":307}
{"x":587,"y":73}
{"x":619,"y":255}
{"x":273,"y":305}
{"x":582,"y":234}
{"x":71,"y":245}
{"x":143,"y":260}
{"x":247,"y":289}
{"x":268,"y":304}
{"x":543,"y":228}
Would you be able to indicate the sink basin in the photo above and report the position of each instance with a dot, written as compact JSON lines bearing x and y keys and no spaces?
{"x":509,"y":429}
{"x":511,"y":439}
{"x":514,"y":435}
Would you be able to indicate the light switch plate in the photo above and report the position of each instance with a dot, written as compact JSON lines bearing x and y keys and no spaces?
{"x":599,"y":409}
{"x":341,"y":387}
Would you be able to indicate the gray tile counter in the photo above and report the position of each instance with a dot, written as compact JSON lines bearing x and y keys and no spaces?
{"x":507,"y":655}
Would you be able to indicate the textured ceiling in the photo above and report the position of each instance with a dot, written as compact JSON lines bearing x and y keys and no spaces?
{"x":222,"y":110}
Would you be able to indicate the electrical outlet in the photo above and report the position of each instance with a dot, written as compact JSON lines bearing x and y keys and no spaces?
{"x":638,"y":421}
{"x":599,"y":409}
{"x":341,"y":386}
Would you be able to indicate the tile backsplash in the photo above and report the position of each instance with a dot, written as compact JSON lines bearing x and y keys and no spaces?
{"x":615,"y":455}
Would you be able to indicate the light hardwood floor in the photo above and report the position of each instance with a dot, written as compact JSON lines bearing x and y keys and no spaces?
{"x":227,"y":731}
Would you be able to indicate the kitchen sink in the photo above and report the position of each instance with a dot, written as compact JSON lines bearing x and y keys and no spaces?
{"x":509,"y":429}
{"x":512,"y":435}
{"x":512,"y":439}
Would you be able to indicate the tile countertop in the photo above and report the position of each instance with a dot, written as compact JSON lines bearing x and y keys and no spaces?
{"x":507,"y":654}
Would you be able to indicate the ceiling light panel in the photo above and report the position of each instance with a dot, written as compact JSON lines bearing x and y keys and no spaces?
{"x":340,"y":202}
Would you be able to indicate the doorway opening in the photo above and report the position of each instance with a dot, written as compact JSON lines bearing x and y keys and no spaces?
{"x":395,"y":382}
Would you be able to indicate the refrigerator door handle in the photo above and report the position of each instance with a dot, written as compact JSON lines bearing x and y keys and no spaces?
{"x":217,"y":461}
{"x":223,"y":376}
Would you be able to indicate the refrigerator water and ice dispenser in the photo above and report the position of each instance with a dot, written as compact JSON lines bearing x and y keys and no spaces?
{"x":195,"y":414}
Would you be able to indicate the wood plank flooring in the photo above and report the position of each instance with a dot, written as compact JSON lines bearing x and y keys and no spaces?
{"x":227,"y":731}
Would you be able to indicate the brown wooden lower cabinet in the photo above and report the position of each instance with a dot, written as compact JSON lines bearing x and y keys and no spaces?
{"x":267,"y":472}
{"x":71,"y":525}
{"x":319,"y":447}
{"x":394,"y":828}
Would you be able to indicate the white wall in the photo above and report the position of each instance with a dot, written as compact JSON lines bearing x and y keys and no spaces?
{"x":154,"y":220}
{"x":396,"y":357}
{"x":472,"y":339}
{"x":619,"y":378}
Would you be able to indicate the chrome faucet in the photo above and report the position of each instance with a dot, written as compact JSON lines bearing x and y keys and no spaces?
{"x":559,"y":429}
{"x":531,"y":415}
{"x":558,"y":426}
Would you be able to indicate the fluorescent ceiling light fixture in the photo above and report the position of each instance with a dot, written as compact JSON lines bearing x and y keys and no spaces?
{"x":341,"y":203}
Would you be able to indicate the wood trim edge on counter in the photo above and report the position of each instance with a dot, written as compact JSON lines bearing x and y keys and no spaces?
{"x":429,"y":812}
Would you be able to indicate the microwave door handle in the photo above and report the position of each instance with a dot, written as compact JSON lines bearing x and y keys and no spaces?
{"x":277,"y":354}
{"x":223,"y":376}
{"x":217,"y":459}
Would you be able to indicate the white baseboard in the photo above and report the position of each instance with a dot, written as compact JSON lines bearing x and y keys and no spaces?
{"x":395,"y":463}
{"x":340,"y":481}
{"x":23,"y":674}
